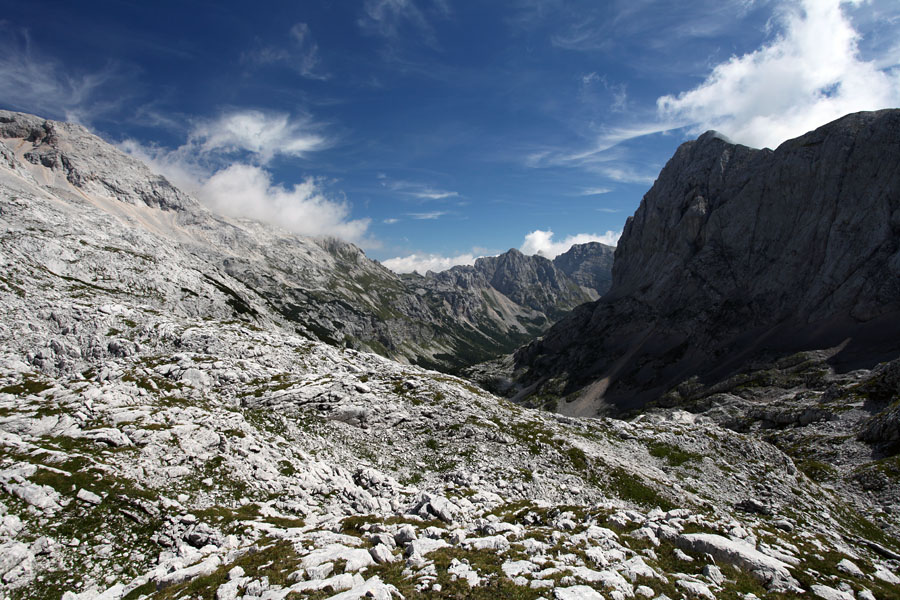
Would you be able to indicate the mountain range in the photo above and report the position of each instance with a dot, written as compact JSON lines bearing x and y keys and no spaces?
{"x":190,"y":406}
{"x":323,"y":288}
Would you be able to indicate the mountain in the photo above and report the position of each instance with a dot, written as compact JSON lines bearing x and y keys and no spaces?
{"x":503,"y":301}
{"x":738,"y":255}
{"x":166,"y":432}
{"x":322,"y":288}
{"x":589,"y":265}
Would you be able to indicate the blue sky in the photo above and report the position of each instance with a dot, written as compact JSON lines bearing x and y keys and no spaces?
{"x":433,"y":131}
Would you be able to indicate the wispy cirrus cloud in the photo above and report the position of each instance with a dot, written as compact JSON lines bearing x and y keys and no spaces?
{"x":595,"y":191}
{"x":427,"y":216}
{"x":300,"y":52}
{"x":33,"y":82}
{"x":391,"y":19}
{"x":416,"y":190}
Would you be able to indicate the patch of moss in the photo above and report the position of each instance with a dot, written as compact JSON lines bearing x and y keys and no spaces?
{"x":674,"y":455}
{"x":29,"y":385}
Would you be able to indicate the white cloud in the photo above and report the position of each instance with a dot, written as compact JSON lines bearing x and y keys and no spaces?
{"x":35,"y":83}
{"x":427,"y":216}
{"x":242,"y":190}
{"x":202,"y":167}
{"x":597,"y":191}
{"x":432,"y":194}
{"x":541,"y":242}
{"x":413,"y":189}
{"x":390,"y":221}
{"x":263,"y":134}
{"x":810,"y":74}
{"x":422,"y":263}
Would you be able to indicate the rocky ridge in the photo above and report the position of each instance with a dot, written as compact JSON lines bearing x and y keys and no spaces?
{"x":321,"y":288}
{"x":738,"y":254}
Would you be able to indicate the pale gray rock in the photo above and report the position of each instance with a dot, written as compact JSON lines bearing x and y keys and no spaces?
{"x":849,"y":567}
{"x":12,"y":555}
{"x":769,"y":570}
{"x":382,"y":554}
{"x":696,"y":589}
{"x":88,"y":496}
{"x":714,"y":574}
{"x":829,"y":593}
{"x":577,"y":592}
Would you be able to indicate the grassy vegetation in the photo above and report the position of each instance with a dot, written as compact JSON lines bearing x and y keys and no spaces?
{"x":674,"y":455}
{"x":30,"y":384}
{"x":629,"y":487}
{"x":276,"y":561}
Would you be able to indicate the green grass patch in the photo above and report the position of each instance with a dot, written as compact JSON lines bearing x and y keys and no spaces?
{"x":674,"y":455}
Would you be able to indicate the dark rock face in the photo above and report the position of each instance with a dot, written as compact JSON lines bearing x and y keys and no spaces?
{"x":589,"y":265}
{"x":737,"y":253}
{"x":534,"y":282}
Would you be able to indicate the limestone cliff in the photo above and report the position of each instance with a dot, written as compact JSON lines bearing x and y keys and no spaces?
{"x":737,"y":253}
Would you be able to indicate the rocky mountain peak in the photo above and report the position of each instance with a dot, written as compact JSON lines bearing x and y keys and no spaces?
{"x":590,"y":265}
{"x":79,"y":160}
{"x":736,"y":252}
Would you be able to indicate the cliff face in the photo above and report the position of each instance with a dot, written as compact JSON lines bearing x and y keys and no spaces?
{"x":589,"y":265}
{"x":737,"y":254}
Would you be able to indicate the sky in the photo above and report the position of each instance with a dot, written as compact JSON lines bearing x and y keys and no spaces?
{"x":431,"y":132}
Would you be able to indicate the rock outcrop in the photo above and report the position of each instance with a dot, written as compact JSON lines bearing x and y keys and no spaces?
{"x":736,"y":254}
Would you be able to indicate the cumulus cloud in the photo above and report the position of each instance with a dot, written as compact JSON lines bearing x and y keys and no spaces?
{"x":422,"y":263}
{"x":262,"y":134}
{"x":242,"y":190}
{"x":203,"y":166}
{"x":542,"y":242}
{"x":810,"y":74}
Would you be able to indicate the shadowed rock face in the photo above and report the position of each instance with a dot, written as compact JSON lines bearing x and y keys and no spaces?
{"x":589,"y":265}
{"x":737,"y":253}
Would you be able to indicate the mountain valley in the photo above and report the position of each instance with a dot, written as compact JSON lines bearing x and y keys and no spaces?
{"x":200,"y":407}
